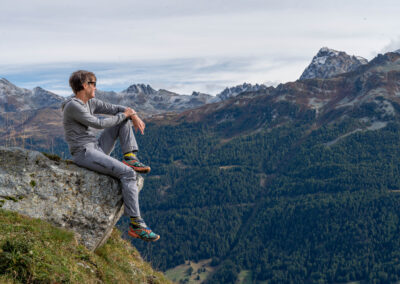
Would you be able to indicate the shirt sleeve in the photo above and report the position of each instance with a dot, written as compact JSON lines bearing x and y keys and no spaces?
{"x":101,"y":107}
{"x":81,"y":114}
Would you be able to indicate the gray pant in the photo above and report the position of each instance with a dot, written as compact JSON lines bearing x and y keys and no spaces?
{"x":95,"y":156}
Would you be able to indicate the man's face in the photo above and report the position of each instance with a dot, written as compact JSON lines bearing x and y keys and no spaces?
{"x":90,"y":88}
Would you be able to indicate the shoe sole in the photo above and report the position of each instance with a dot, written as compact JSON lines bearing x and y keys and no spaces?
{"x":139,"y":170}
{"x":132,"y":234}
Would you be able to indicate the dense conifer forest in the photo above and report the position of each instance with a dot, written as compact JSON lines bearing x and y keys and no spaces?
{"x":289,"y":204}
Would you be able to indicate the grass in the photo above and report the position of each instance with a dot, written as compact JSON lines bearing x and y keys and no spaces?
{"x":199,"y":271}
{"x":33,"y":251}
{"x":245,"y":277}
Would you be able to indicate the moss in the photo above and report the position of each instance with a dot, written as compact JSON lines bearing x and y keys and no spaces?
{"x":33,"y":183}
{"x":12,"y":198}
{"x":52,"y":157}
{"x":69,"y":162}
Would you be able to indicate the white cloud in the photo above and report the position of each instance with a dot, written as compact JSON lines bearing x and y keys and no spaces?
{"x":393,"y":45}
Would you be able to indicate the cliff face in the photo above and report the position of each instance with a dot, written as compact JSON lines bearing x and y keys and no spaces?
{"x":61,"y":193}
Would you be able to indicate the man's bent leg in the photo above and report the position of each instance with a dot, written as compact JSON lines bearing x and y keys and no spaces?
{"x":94,"y":159}
{"x":124,"y":132}
{"x":127,"y":139}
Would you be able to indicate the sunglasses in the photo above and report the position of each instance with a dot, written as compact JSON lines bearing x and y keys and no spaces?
{"x":94,"y":83}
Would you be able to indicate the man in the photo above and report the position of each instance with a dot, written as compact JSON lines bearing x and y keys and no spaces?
{"x":79,"y":121}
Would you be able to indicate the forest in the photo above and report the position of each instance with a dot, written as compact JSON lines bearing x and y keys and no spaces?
{"x":288,"y":204}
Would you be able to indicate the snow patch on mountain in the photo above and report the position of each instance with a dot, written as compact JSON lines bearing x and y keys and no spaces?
{"x":234,"y":91}
{"x":15,"y":99}
{"x":328,"y":63}
{"x":140,"y":88}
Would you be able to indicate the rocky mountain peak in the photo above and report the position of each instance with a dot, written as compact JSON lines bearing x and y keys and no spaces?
{"x":6,"y":85}
{"x":140,"y":88}
{"x":196,"y":94}
{"x":4,"y":81}
{"x":15,"y":99}
{"x":38,"y":89}
{"x":236,"y":90}
{"x":329,"y":62}
{"x":201,"y":95}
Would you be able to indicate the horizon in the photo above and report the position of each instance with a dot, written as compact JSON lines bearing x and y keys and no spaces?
{"x":161,"y":88}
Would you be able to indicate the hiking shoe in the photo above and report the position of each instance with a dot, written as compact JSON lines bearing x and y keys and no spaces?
{"x":143,"y":233}
{"x":135,"y":164}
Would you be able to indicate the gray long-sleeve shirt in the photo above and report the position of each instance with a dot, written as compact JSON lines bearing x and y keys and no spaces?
{"x":79,"y":120}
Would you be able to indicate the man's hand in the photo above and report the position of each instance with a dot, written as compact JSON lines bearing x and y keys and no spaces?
{"x":129,"y":112}
{"x":138,"y":123}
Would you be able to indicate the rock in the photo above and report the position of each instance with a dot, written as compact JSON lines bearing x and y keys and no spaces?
{"x":61,"y":193}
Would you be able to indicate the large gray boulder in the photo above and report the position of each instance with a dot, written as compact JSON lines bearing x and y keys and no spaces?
{"x":61,"y":193}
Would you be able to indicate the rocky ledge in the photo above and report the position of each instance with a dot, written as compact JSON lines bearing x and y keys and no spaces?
{"x":61,"y":193}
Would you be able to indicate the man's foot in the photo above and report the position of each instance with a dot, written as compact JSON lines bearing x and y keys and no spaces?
{"x":132,"y":161}
{"x":138,"y":229}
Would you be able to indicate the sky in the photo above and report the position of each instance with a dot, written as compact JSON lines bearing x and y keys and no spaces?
{"x":184,"y":45}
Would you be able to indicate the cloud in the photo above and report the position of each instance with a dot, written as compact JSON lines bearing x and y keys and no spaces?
{"x":182,"y":76}
{"x":393,"y":45}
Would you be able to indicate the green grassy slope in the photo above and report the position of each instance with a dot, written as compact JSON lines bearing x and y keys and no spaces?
{"x":32,"y":251}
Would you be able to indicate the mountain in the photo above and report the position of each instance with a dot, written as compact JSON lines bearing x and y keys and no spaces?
{"x":328,"y":63}
{"x":13,"y":98}
{"x":284,"y":185}
{"x":373,"y":84}
{"x":148,"y":101}
{"x":234,"y":91}
{"x":32,"y":118}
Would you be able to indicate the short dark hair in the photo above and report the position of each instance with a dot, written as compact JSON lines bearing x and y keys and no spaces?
{"x":78,"y":78}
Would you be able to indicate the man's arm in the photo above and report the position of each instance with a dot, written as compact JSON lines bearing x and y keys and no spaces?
{"x":100,"y":107}
{"x":82,"y":115}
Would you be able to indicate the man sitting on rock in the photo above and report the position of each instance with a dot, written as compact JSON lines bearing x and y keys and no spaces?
{"x":94,"y":153}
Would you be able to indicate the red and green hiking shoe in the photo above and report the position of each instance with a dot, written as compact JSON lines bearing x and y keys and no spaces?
{"x":134,"y":163}
{"x":143,"y":233}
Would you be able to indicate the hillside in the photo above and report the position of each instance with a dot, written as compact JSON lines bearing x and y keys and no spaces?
{"x":32,"y":251}
{"x":297,"y":183}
